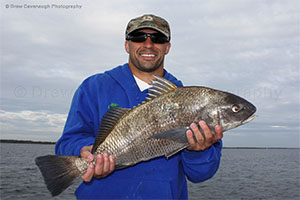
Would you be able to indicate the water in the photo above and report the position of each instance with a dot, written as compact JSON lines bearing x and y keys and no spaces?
{"x":243,"y":174}
{"x":253,"y":174}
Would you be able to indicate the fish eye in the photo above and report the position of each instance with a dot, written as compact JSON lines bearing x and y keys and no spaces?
{"x":235,"y":108}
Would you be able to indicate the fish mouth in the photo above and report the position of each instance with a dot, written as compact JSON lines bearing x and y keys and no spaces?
{"x":249,"y":119}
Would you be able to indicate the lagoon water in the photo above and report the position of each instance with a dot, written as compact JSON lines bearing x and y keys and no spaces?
{"x":243,"y":174}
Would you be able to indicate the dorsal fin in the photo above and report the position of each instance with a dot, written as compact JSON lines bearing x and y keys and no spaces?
{"x":108,"y":121}
{"x":159,"y":86}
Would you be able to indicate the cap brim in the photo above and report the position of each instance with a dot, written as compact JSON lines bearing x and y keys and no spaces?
{"x":149,"y":27}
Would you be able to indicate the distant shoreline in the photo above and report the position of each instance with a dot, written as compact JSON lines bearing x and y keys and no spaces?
{"x":26,"y":142}
{"x":45,"y":142}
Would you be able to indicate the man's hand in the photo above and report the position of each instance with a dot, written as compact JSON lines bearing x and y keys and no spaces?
{"x":205,"y":139}
{"x":105,"y":164}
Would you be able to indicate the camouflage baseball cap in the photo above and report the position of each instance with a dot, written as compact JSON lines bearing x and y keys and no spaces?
{"x":149,"y":21}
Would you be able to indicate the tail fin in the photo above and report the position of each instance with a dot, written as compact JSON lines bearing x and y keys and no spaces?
{"x":59,"y":172}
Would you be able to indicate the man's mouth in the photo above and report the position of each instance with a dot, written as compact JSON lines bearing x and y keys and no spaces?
{"x":148,"y":55}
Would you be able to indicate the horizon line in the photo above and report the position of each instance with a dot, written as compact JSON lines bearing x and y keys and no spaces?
{"x":49,"y":142}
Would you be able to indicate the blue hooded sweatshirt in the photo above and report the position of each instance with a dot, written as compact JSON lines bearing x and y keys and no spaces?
{"x":159,"y":178}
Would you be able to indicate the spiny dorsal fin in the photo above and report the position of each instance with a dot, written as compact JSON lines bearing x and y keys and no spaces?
{"x":108,"y":121}
{"x":160,"y":86}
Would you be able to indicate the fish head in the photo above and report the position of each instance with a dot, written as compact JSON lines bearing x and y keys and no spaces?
{"x":234,"y":111}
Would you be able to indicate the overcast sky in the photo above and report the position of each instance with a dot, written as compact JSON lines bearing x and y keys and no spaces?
{"x":247,"y":47}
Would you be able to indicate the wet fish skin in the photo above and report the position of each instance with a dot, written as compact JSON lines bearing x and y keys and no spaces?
{"x":174,"y":110}
{"x":155,"y":128}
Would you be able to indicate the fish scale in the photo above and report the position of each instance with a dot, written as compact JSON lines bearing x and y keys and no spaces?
{"x":162,"y":112}
{"x":155,"y":128}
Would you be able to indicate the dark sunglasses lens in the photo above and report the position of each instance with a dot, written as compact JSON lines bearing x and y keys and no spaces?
{"x":159,"y":38}
{"x":141,"y":37}
{"x":138,"y":37}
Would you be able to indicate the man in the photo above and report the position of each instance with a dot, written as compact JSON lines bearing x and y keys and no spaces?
{"x":147,"y":43}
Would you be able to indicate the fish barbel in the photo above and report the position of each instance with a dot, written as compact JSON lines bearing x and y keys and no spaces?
{"x":157,"y":127}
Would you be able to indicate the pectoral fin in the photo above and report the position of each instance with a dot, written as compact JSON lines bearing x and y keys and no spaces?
{"x":168,"y":155}
{"x":178,"y":135}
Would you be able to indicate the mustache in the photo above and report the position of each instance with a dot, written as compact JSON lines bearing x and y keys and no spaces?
{"x":147,"y":51}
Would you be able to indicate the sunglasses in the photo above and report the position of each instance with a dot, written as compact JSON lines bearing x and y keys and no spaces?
{"x":142,"y":37}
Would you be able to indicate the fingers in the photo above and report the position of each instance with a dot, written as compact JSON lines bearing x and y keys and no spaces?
{"x":99,"y":165}
{"x":209,"y":136}
{"x":85,"y":153}
{"x":190,"y":138}
{"x":104,"y":165}
{"x":219,"y":132}
{"x":194,"y":144}
{"x":87,"y":177}
{"x":196,"y":140}
{"x":203,"y":140}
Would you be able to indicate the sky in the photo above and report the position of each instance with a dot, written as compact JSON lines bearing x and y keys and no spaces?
{"x":247,"y":47}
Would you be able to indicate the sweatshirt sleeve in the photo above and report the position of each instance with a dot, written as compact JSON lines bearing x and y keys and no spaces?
{"x":79,"y":127}
{"x":202,"y":165}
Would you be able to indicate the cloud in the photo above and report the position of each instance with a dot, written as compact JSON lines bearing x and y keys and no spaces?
{"x":279,"y":127}
{"x":31,"y":125}
{"x":249,"y":47}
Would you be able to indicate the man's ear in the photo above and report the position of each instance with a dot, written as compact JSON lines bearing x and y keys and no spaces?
{"x":127,"y":46}
{"x":168,"y":48}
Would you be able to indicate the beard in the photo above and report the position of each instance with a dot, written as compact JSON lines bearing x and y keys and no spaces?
{"x":145,"y":66}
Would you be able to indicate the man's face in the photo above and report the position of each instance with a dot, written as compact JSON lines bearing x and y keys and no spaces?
{"x":147,"y":56}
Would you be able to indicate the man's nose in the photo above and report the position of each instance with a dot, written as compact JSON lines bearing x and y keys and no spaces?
{"x":148,"y":43}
